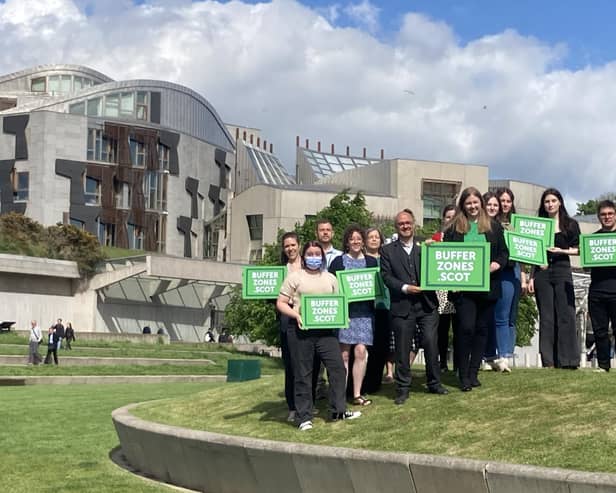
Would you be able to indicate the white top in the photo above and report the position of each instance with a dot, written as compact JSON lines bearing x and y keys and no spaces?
{"x":35,"y":334}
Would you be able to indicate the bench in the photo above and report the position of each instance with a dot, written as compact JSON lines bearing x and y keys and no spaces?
{"x":6,"y":326}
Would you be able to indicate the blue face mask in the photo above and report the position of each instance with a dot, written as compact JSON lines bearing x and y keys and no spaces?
{"x":313,"y":263}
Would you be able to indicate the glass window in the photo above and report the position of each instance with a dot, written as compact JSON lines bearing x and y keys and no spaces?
{"x":255,"y":226}
{"x":256,"y":255}
{"x":100,"y":147}
{"x":123,"y":195}
{"x":78,"y":83}
{"x":106,"y":234}
{"x":137,"y":153}
{"x":127,"y":106}
{"x":54,"y":83}
{"x":135,"y":237}
{"x":92,"y":193}
{"x":65,"y":83}
{"x":77,"y":223}
{"x":155,"y":190}
{"x":437,"y":195}
{"x":94,"y":107}
{"x":163,"y":157}
{"x":22,"y":186}
{"x":142,"y":105}
{"x":160,"y":229}
{"x":112,"y":105}
{"x":77,"y":108}
{"x":38,"y":84}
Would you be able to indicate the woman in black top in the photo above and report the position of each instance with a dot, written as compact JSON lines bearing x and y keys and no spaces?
{"x":553,"y":287}
{"x":475,"y":310}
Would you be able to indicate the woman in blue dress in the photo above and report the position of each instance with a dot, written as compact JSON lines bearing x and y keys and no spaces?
{"x":361,"y":313}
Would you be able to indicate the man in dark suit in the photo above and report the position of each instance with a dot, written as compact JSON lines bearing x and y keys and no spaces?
{"x":411,"y":308}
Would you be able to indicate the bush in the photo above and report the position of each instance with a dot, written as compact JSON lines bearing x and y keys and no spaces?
{"x":526,"y":325}
{"x":20,"y":235}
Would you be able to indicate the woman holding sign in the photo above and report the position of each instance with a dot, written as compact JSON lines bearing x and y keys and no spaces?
{"x":475,"y":310}
{"x":313,"y":279}
{"x":361,"y":313}
{"x":553,"y":287}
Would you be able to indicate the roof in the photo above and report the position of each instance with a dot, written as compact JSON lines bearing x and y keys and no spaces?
{"x":268,"y":168}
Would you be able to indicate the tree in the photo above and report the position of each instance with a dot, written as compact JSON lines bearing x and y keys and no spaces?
{"x":67,"y":242}
{"x":257,"y":319}
{"x":590,"y":207}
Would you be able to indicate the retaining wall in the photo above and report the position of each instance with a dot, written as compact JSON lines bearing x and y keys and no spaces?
{"x":217,"y":463}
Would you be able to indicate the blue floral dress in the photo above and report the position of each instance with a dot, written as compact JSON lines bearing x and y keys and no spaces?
{"x":361,"y":313}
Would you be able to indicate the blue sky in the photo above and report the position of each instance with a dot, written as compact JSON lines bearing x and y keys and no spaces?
{"x":587,"y":28}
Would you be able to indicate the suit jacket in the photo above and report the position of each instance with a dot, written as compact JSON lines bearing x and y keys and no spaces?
{"x":396,"y":271}
{"x":499,"y":253}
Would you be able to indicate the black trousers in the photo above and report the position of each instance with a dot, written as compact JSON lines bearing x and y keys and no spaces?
{"x":602,"y":309}
{"x":558,"y":341}
{"x":288,"y":348}
{"x":377,"y":353}
{"x":474,"y":315}
{"x":324,"y":344}
{"x":52,"y":349}
{"x":404,"y":331}
{"x":445,"y":321}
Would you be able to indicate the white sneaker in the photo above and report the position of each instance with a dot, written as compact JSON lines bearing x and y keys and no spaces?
{"x":502,"y":366}
{"x":291,"y":416}
{"x":305,"y":426}
{"x":345,"y":415}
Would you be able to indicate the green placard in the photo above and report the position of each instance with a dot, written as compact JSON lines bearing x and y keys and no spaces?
{"x":324,"y":311}
{"x":537,"y":227}
{"x":455,"y":266}
{"x":262,"y":283}
{"x":358,"y":284}
{"x":527,"y":249}
{"x":598,"y":250}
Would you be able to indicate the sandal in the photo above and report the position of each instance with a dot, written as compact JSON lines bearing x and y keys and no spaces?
{"x":360,"y":400}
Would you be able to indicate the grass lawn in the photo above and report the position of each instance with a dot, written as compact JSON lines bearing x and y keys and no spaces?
{"x":553,"y":418}
{"x":12,"y":344}
{"x":58,"y":438}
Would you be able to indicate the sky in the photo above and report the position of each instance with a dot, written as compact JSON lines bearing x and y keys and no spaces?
{"x":523,"y":87}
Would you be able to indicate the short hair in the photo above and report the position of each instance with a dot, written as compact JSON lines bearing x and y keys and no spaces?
{"x":322,"y":221}
{"x":605,"y":204}
{"x":405,"y":211}
{"x":348,"y":232}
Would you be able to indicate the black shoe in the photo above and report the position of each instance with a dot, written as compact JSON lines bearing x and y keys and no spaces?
{"x":438,"y":389}
{"x":401,"y":397}
{"x":475,"y":382}
{"x":466,"y":388}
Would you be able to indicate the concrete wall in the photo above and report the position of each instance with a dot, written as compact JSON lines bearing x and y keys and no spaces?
{"x":223,"y":464}
{"x":527,"y":195}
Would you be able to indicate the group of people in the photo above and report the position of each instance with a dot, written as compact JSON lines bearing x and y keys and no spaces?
{"x":394,"y":328}
{"x":56,"y":333}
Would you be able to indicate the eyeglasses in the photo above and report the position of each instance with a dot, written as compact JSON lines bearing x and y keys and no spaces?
{"x":607,"y":214}
{"x":405,"y":223}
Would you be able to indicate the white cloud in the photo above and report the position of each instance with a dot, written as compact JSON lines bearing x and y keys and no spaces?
{"x":502,"y":100}
{"x":364,"y":14}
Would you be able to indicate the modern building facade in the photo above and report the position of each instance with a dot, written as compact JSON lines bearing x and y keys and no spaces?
{"x":142,"y":164}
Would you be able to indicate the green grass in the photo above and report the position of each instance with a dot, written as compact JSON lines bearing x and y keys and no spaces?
{"x":59,"y":438}
{"x":12,"y":344}
{"x":115,"y":252}
{"x":553,"y":418}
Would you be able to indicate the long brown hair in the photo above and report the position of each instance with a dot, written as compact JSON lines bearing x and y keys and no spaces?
{"x":461,"y":223}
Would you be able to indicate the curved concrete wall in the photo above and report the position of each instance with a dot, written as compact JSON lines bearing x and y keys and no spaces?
{"x":218,"y":463}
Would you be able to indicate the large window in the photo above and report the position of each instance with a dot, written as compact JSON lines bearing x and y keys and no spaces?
{"x":60,"y":84}
{"x":135,"y":237}
{"x":94,"y":107}
{"x":436,"y":195}
{"x":39,"y":84}
{"x":163,"y":157}
{"x":21,"y":186}
{"x":101,"y":147}
{"x":92,"y":191}
{"x":127,"y":104}
{"x":112,"y":105}
{"x":155,"y":190}
{"x":138,"y":153}
{"x":255,"y":226}
{"x":106,"y":233}
{"x":142,"y":105}
{"x":123,"y":195}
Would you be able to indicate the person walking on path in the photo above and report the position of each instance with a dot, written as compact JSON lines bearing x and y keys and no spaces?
{"x":52,"y":346}
{"x":59,"y":333}
{"x":69,"y":335}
